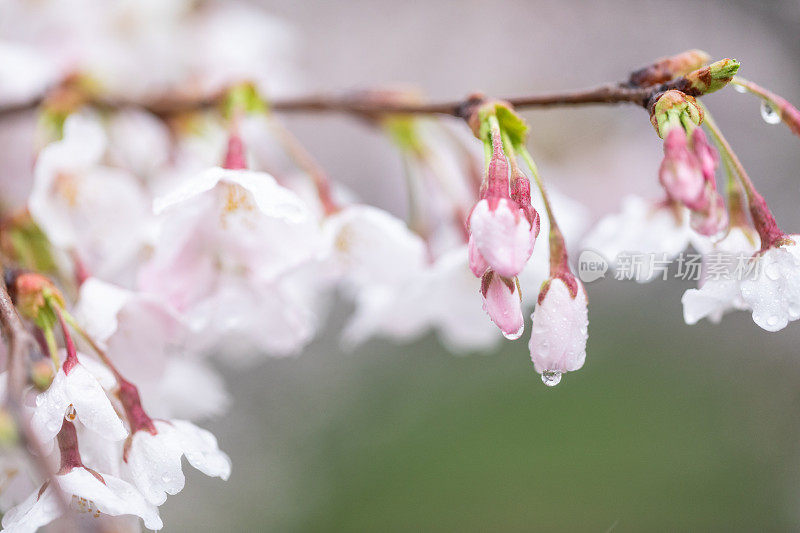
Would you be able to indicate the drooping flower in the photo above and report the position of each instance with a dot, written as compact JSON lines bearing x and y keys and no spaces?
{"x":503,"y":303}
{"x":688,"y":169}
{"x":230,"y":243}
{"x":154,"y":451}
{"x":559,"y":329}
{"x":681,"y":173}
{"x":659,"y":229}
{"x":74,"y":385}
{"x":88,"y":493}
{"x":773,"y":292}
{"x":236,"y":222}
{"x":725,"y":265}
{"x":154,"y":460}
{"x":149,"y":343}
{"x":501,"y":231}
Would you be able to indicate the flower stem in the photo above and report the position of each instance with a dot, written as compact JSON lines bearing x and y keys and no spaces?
{"x":763,"y":219}
{"x":558,"y":249}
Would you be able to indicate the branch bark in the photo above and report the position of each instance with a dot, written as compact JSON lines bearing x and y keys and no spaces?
{"x":365,"y":104}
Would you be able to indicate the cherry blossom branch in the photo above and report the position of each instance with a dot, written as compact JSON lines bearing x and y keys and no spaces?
{"x":366,"y":104}
{"x":19,"y":343}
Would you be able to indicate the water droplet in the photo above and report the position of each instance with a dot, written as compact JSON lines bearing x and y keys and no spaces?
{"x":772,"y":321}
{"x":551,"y":378}
{"x":739,"y":89}
{"x":70,"y":414}
{"x":515,"y":335}
{"x":166,"y":478}
{"x":769,"y":114}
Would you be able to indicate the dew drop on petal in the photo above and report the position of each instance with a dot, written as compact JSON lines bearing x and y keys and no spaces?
{"x":70,"y":414}
{"x":772,"y":321}
{"x":551,"y":378}
{"x":769,"y":114}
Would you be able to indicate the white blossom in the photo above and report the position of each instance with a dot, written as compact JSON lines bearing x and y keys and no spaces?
{"x":89,"y":495}
{"x":642,"y":227}
{"x":154,"y":461}
{"x":721,"y":292}
{"x":774,"y":293}
{"x":559,"y":330}
{"x":79,"y":388}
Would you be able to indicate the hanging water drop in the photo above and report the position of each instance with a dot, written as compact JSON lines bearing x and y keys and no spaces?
{"x":769,"y":114}
{"x":70,"y":414}
{"x":551,"y":378}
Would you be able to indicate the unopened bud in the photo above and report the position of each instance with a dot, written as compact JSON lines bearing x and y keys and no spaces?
{"x":502,"y":301}
{"x":713,"y":220}
{"x":668,"y":68}
{"x":510,"y":122}
{"x":22,"y":240}
{"x":8,"y":430}
{"x":242,"y":99}
{"x":709,"y":79}
{"x":42,"y":374}
{"x":33,"y":294}
{"x":673,"y":108}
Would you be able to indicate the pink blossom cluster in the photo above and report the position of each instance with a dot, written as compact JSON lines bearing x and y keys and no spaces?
{"x":150,"y":249}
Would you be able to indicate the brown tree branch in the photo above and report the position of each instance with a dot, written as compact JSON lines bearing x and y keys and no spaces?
{"x":365,"y":104}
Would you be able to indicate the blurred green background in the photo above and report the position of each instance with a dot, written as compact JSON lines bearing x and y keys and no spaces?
{"x":667,"y":427}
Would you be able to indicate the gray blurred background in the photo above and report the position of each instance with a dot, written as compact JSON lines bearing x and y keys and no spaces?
{"x":667,"y":427}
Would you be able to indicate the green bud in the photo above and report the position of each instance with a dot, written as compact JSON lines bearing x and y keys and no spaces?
{"x":709,"y":79}
{"x":8,"y":430}
{"x":510,"y":122}
{"x":42,"y":374}
{"x":22,"y":240}
{"x":35,"y":297}
{"x":242,"y":98}
{"x":675,"y":109}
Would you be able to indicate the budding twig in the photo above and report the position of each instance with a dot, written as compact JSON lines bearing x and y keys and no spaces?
{"x":20,"y":343}
{"x":362,"y":104}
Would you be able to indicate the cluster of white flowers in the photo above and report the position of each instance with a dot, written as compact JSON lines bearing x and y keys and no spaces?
{"x":169,"y":249}
{"x":694,"y":213}
{"x":227,"y":263}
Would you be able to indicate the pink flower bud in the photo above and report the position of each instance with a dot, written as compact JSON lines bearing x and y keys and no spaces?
{"x":503,"y":235}
{"x":495,"y":186}
{"x":503,"y":303}
{"x":705,"y":154}
{"x":714,"y":219}
{"x":681,"y":173}
{"x":559,"y":330}
{"x":477,"y":264}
